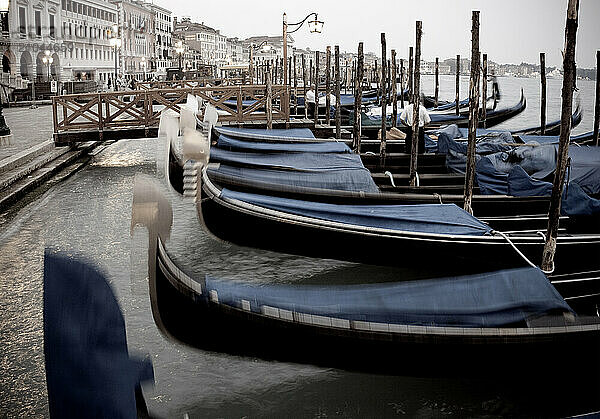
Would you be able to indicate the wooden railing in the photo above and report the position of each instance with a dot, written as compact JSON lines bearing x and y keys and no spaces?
{"x":89,"y":115}
{"x":183,"y":84}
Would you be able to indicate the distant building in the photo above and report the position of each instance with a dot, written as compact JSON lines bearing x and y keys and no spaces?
{"x":137,"y":38}
{"x":86,"y":25}
{"x":162,"y":55}
{"x":275,"y":44}
{"x":235,"y":51}
{"x":209,"y":42}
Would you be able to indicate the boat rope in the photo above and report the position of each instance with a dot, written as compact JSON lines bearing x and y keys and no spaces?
{"x":417,"y":178}
{"x":530,"y":263}
{"x":438,"y":196}
{"x":370,"y":153}
{"x":387,"y":172}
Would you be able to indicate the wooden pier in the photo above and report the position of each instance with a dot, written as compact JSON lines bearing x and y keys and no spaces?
{"x":136,"y":113}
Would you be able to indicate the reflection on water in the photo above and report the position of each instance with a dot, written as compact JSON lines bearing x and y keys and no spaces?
{"x":90,"y":213}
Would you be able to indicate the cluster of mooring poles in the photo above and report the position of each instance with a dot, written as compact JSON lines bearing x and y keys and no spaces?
{"x":385,"y":76}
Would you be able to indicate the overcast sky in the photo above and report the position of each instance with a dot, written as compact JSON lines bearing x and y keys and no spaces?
{"x":511,"y":31}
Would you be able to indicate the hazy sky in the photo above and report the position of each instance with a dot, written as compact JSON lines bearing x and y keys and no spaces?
{"x":511,"y":31}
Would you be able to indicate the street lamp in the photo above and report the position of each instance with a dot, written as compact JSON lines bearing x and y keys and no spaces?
{"x":115,"y":42}
{"x":4,"y":6}
{"x":315,"y":26}
{"x":179,"y":51}
{"x":48,"y":60}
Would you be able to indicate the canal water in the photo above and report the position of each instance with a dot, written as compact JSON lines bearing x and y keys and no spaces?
{"x":90,"y":214}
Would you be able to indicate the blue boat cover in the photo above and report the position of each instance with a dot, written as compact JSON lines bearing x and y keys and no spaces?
{"x":450,"y":105}
{"x":342,"y":179}
{"x":267,"y":134}
{"x":456,"y":151}
{"x":301,"y":161}
{"x":233,"y":144}
{"x":427,"y":218}
{"x":538,"y":162}
{"x":574,"y":200}
{"x":585,"y":168}
{"x":492,"y":299}
{"x":88,"y":370}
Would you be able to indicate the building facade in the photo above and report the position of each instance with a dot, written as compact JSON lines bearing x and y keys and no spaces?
{"x":30,"y":29}
{"x":163,"y":47}
{"x":136,"y":20}
{"x":86,"y":27}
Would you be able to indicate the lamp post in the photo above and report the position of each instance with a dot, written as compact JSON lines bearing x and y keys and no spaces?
{"x":115,"y":42}
{"x":48,"y":60}
{"x":315,"y":26}
{"x":4,"y":6}
{"x":144,"y":63}
{"x":179,"y":51}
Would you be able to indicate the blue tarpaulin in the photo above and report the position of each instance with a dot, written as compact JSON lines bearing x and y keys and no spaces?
{"x":574,"y":200}
{"x":342,"y":179}
{"x":426,"y":218}
{"x":233,"y":144}
{"x":492,"y":299}
{"x":267,"y":134}
{"x":289,"y":161}
{"x":88,"y":370}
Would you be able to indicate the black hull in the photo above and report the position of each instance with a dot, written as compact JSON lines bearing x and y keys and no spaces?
{"x":197,"y":321}
{"x":464,"y":254}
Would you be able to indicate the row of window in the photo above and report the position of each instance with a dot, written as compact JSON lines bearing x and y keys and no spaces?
{"x":84,"y":9}
{"x":38,"y":23}
{"x":89,"y":54}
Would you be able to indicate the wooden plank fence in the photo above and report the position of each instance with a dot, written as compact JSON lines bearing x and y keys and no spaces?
{"x":136,"y":113}
{"x":183,"y":84}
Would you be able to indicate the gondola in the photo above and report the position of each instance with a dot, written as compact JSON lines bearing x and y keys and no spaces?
{"x":372,"y":125}
{"x":435,"y":187}
{"x":449,"y":326}
{"x":552,"y":128}
{"x":524,"y":215}
{"x":380,"y":234}
{"x":442,"y":326}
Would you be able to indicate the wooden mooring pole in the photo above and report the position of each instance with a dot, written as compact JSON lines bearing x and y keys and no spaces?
{"x":328,"y":85}
{"x":484,"y":90}
{"x":437,"y":80}
{"x":402,"y":83}
{"x":382,"y":148}
{"x":597,"y":107}
{"x":377,"y":80}
{"x":316,"y":88}
{"x":457,"y":82}
{"x":416,"y":104}
{"x":338,"y":112}
{"x":295,"y":88}
{"x":269,"y":94}
{"x":569,"y":75}
{"x":410,"y":74}
{"x":304,"y":86}
{"x":394,"y":90}
{"x":473,"y":108}
{"x":358,"y":98}
{"x":543,"y":95}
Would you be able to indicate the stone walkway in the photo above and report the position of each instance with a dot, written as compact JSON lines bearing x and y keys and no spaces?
{"x":28,"y":127}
